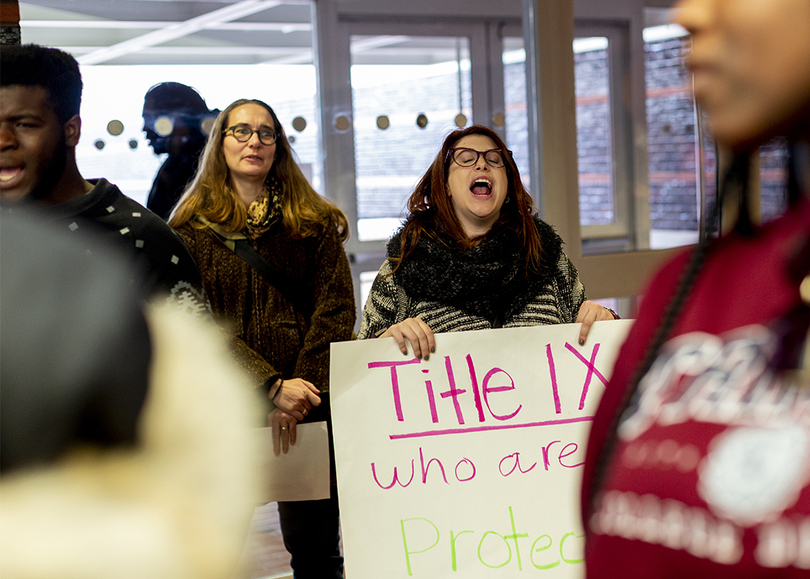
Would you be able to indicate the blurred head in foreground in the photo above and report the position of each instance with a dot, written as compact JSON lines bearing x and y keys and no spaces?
{"x":125,"y":432}
{"x":704,"y":423}
{"x":750,"y":65}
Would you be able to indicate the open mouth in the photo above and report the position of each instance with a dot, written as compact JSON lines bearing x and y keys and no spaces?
{"x":10,"y":176}
{"x":481,"y":187}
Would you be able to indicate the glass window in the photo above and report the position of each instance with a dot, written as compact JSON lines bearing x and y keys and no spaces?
{"x":116,"y":92}
{"x":223,"y":52}
{"x":604,"y":143}
{"x":773,"y":178}
{"x":402,"y":112}
{"x":671,"y":139}
{"x":594,"y":131}
{"x":517,"y":122}
{"x":682,"y":154}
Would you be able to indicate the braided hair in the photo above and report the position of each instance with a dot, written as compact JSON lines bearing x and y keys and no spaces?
{"x":733,"y":188}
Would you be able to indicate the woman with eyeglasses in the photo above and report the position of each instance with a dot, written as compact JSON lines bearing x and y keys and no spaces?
{"x":472,"y":255}
{"x":286,"y":303}
{"x":699,"y":453}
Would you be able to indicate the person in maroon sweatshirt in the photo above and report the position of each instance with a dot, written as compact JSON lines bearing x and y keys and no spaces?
{"x":698,"y":463}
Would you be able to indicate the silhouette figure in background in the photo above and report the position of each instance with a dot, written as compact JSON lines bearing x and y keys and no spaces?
{"x":174,"y":120}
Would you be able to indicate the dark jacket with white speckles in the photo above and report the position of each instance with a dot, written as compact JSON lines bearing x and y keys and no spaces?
{"x":164,"y":269}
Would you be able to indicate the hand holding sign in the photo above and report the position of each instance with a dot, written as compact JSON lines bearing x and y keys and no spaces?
{"x":415,"y":331}
{"x":590,"y":312}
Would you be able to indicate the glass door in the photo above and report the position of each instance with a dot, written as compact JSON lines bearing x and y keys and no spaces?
{"x":402,"y":112}
{"x":411,"y":85}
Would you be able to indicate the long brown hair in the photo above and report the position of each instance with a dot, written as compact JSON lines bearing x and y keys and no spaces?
{"x":210,"y":193}
{"x":430,"y":206}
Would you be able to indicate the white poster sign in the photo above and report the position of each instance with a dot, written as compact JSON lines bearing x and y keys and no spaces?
{"x":468,"y":464}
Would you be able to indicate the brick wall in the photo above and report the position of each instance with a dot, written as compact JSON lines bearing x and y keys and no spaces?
{"x":670,"y":137}
{"x":595,"y":153}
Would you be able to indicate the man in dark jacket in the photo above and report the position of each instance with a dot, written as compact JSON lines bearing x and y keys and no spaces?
{"x":40,"y":96}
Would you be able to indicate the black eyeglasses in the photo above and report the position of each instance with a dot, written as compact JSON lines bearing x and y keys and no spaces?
{"x":468,"y":157}
{"x":243,"y":133}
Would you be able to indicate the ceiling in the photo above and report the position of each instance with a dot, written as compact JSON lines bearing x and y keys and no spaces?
{"x":171,"y":31}
{"x":218,"y":32}
{"x":206,"y":32}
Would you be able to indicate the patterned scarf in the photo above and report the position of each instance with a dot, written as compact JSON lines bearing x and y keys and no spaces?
{"x":264,"y":211}
{"x":489,"y":280}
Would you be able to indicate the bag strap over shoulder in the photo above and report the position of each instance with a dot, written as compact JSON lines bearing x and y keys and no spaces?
{"x":239,"y":244}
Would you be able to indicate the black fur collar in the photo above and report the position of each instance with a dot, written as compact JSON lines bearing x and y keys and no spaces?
{"x":489,"y":280}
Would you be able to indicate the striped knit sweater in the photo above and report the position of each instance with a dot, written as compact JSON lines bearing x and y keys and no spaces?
{"x":484,"y":287}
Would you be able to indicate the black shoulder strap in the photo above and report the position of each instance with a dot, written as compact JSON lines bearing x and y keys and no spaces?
{"x":239,"y":244}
